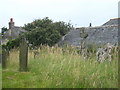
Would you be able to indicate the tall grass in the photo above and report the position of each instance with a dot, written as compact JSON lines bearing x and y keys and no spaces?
{"x":0,"y":67}
{"x":0,"y":76}
{"x":55,"y":68}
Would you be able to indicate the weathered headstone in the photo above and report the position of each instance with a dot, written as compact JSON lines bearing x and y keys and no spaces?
{"x":0,"y":58}
{"x":103,"y":54}
{"x":4,"y":57}
{"x":23,"y":57}
{"x":36,"y":53}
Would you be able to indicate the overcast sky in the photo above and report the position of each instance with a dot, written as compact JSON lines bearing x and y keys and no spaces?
{"x":80,"y":12}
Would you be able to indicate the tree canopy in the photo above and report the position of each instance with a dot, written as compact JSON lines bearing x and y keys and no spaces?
{"x":45,"y":31}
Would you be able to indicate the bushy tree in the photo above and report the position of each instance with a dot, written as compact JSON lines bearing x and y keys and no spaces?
{"x":39,"y":23}
{"x":13,"y":43}
{"x":45,"y":31}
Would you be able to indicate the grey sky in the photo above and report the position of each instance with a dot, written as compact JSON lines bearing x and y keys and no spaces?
{"x":80,"y":12}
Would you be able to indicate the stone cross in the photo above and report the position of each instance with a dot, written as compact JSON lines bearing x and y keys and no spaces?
{"x":83,"y":35}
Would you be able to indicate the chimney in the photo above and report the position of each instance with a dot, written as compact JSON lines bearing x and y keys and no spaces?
{"x":11,"y":23}
{"x":90,"y":25}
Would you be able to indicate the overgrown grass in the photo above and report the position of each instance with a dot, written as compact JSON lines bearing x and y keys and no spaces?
{"x":54,"y":69}
{"x":0,"y":76}
{"x":0,"y":66}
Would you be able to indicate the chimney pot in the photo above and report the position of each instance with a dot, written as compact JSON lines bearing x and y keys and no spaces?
{"x":11,"y":23}
{"x":11,"y":19}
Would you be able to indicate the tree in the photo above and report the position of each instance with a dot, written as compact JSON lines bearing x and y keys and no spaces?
{"x":40,"y":23}
{"x":45,"y":31}
{"x":4,"y":29}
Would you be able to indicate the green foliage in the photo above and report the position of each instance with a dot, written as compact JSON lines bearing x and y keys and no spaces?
{"x":43,"y":36}
{"x":4,"y":29}
{"x":62,"y":27}
{"x":40,"y":23}
{"x":45,"y":31}
{"x":12,"y":44}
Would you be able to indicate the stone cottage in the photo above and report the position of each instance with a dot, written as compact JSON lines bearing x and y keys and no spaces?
{"x":13,"y":32}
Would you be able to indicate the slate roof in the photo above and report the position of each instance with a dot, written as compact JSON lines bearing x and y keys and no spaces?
{"x":14,"y":32}
{"x":107,"y":33}
{"x":112,"y":22}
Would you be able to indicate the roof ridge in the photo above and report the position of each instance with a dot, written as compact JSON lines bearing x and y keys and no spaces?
{"x":115,"y":19}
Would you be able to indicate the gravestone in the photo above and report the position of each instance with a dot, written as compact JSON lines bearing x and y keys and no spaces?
{"x":4,"y":57}
{"x":23,"y":57}
{"x":0,"y":58}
